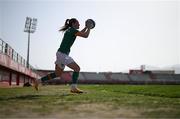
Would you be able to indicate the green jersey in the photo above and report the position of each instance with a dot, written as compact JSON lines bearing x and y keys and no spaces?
{"x":68,"y":40}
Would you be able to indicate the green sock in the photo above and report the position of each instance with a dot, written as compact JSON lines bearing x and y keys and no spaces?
{"x":48,"y":77}
{"x":75,"y":77}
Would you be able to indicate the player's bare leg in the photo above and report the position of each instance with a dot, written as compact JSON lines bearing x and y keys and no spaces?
{"x":58,"y":72}
{"x":75,"y":76}
{"x":36,"y":84}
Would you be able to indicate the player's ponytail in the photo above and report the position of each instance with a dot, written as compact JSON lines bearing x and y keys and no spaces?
{"x":68,"y":23}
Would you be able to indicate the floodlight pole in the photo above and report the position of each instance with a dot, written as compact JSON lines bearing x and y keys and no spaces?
{"x":30,"y":27}
{"x":28,"y":45}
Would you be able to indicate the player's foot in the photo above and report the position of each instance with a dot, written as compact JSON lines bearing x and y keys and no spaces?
{"x":76,"y":90}
{"x":36,"y":84}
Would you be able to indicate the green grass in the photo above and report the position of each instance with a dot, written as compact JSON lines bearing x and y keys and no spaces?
{"x":100,"y":101}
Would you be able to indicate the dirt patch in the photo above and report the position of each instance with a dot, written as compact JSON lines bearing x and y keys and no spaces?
{"x":96,"y":111}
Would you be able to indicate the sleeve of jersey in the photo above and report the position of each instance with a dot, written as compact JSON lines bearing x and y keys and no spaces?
{"x":74,"y":31}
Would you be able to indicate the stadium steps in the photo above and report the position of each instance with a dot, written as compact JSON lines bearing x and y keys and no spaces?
{"x":166,"y":78}
{"x":139,"y":78}
{"x":119,"y":78}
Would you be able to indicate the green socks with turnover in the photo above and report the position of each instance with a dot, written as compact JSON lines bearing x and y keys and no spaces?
{"x":48,"y":77}
{"x":53,"y":75}
{"x":75,"y":77}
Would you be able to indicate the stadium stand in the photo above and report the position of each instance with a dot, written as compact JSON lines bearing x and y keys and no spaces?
{"x":94,"y":76}
{"x":66,"y":76}
{"x":13,"y":67}
{"x":81,"y":77}
{"x":139,"y":78}
{"x":91,"y":78}
{"x":119,"y":76}
{"x":176,"y":77}
{"x":165,"y":78}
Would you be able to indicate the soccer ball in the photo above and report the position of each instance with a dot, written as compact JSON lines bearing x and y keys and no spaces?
{"x":90,"y":23}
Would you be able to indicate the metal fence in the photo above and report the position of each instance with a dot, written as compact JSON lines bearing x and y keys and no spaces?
{"x":10,"y":52}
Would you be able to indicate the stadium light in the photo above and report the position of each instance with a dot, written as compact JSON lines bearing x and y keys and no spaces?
{"x":30,"y":27}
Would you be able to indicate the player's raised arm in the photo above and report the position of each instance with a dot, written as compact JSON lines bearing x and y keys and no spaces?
{"x":89,"y":24}
{"x":84,"y":33}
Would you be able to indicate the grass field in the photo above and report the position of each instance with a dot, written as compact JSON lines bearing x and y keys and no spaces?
{"x":100,"y":102}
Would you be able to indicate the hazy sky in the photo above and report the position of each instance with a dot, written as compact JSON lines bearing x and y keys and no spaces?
{"x":127,"y":33}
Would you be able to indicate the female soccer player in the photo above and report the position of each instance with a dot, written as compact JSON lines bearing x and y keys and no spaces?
{"x":62,"y":56}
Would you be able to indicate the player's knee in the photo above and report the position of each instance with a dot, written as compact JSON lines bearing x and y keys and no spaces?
{"x":58,"y":71}
{"x":77,"y":69}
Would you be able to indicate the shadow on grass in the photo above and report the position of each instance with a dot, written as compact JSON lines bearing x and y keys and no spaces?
{"x":33,"y":97}
{"x":155,"y":95}
{"x":22,"y":97}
